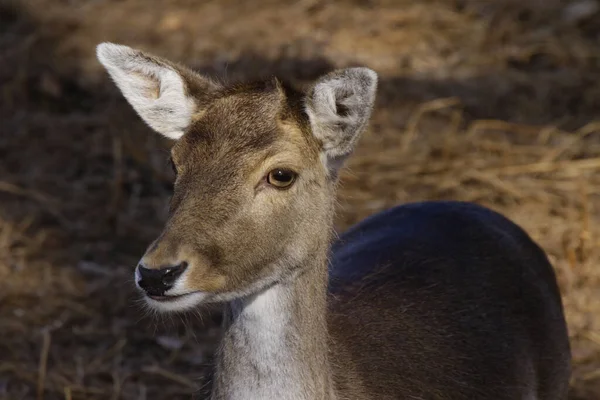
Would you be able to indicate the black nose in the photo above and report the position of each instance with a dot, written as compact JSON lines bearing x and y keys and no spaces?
{"x":157,"y":281}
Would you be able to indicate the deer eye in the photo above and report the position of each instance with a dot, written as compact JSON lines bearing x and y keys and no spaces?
{"x":281,"y":178}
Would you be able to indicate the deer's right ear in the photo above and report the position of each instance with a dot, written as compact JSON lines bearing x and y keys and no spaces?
{"x":159,"y":91}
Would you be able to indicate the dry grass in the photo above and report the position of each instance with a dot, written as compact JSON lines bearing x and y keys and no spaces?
{"x":492,"y":102}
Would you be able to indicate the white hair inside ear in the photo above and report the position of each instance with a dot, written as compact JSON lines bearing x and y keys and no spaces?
{"x":339,"y":107}
{"x":153,"y":87}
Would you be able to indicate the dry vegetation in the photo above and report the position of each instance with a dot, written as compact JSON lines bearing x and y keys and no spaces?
{"x":488,"y":101}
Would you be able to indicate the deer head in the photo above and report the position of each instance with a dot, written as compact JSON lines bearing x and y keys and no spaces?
{"x":256,"y":170}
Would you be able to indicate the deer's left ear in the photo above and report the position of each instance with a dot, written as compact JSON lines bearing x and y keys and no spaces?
{"x":158,"y":90}
{"x":339,"y":107}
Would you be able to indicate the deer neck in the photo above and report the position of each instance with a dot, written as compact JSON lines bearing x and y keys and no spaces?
{"x":275,"y":343}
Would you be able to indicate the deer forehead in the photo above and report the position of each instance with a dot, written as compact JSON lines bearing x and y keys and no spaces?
{"x":248,"y":129}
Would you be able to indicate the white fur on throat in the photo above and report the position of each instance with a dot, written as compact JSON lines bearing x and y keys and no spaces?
{"x":155,"y":90}
{"x":261,"y":335}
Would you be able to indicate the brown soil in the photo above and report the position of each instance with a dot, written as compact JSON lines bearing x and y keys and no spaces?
{"x":491,"y":102}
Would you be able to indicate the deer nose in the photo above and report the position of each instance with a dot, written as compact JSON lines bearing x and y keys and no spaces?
{"x":155,"y":282}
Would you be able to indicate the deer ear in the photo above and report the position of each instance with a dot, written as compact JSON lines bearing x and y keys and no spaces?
{"x":339,"y":107}
{"x":158,"y":90}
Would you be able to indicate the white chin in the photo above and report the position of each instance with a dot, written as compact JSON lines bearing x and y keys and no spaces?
{"x":179,"y":303}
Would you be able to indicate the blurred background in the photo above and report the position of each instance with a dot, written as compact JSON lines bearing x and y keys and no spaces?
{"x":496,"y":102}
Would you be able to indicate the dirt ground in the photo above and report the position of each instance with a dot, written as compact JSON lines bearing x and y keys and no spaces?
{"x":494,"y":102}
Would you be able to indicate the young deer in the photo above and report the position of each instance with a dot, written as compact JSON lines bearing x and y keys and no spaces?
{"x":435,"y":300}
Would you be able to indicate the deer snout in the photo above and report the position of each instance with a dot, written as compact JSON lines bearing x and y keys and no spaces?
{"x":155,"y":282}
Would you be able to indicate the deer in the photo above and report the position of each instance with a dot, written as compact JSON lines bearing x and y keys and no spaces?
{"x":439,"y":299}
